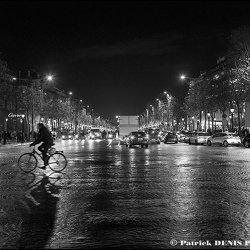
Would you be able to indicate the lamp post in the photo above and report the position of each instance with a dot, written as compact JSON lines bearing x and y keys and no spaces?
{"x":22,"y":123}
{"x":6,"y":120}
{"x":208,"y":116}
{"x":193,"y":122}
{"x":146,"y":117}
{"x":182,"y":123}
{"x":118,"y":126}
{"x":232,"y":113}
{"x":215,"y":123}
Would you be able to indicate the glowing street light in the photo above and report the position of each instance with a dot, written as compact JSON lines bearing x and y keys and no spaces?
{"x":49,"y":78}
{"x":232,"y":112}
{"x":183,"y":77}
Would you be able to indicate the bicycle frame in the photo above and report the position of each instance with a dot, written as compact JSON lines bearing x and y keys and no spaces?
{"x":35,"y":152}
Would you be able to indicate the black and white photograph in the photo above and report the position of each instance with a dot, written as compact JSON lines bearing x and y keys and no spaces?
{"x":124,"y":124}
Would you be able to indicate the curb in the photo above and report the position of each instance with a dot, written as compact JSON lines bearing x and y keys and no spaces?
{"x":14,"y":144}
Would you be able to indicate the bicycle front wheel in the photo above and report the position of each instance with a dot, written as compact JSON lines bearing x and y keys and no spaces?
{"x":57,"y":162}
{"x":27,"y":162}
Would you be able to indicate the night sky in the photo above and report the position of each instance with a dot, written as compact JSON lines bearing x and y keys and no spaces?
{"x":118,"y":55}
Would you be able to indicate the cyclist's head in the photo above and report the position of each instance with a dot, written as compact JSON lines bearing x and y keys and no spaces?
{"x":40,"y":125}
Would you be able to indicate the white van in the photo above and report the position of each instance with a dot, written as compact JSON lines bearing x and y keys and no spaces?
{"x":95,"y":133}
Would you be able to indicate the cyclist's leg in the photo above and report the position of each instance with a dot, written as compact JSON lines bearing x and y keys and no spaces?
{"x":45,"y":155}
{"x":42,"y":149}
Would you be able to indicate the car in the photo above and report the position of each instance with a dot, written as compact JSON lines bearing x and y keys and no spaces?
{"x":246,"y":141}
{"x":137,"y":138}
{"x":122,"y":140}
{"x":154,"y":137}
{"x":68,"y":135}
{"x":199,"y":138}
{"x":162,"y":135}
{"x":80,"y":136}
{"x":110,"y":135}
{"x":187,"y":136}
{"x":181,"y":137}
{"x":171,"y":137}
{"x":224,"y":139}
{"x":54,"y":134}
{"x":95,"y":133}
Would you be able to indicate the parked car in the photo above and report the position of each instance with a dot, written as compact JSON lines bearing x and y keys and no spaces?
{"x":224,"y":139}
{"x":162,"y":135}
{"x":246,"y":141}
{"x":137,"y":138}
{"x":181,"y":135}
{"x":171,"y":137}
{"x":199,"y":138}
{"x":187,"y":137}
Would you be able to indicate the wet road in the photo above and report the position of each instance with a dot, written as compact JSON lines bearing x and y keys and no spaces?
{"x":164,"y":196}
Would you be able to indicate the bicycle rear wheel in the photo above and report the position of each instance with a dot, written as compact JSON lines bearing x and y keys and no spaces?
{"x":27,"y":162}
{"x":57,"y":162}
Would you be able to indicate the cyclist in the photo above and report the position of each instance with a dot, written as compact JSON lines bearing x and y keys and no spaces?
{"x":45,"y":137}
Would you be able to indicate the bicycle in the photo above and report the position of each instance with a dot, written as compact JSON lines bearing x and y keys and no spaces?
{"x":28,"y":162}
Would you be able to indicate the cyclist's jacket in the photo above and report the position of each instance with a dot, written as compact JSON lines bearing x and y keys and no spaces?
{"x":44,"y":136}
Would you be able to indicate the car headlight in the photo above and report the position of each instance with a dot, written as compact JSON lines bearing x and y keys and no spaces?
{"x":76,"y":136}
{"x":63,"y":136}
{"x":132,"y":137}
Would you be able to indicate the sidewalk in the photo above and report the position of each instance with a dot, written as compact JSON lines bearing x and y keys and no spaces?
{"x":13,"y":143}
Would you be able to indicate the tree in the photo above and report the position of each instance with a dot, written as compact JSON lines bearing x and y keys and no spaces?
{"x":239,"y":56}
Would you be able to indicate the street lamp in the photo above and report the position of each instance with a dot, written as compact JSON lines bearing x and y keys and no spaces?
{"x":208,"y":116}
{"x":6,"y":120}
{"x":183,"y":77}
{"x":146,"y":117}
{"x":49,"y":78}
{"x":193,"y":122}
{"x":232,"y":113}
{"x":215,"y":123}
{"x":22,"y":122}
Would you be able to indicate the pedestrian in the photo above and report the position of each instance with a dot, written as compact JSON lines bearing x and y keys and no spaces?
{"x":26,"y":136}
{"x":4,"y":137}
{"x":104,"y":134}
